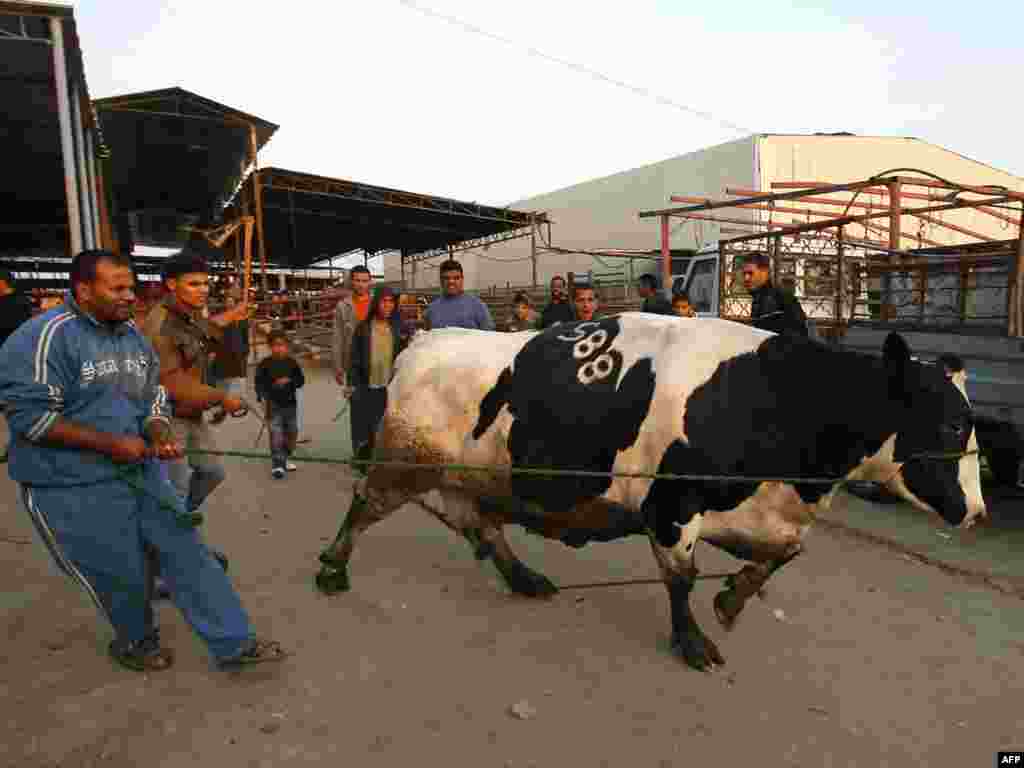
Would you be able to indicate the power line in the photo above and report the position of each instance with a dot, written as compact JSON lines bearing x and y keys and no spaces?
{"x":579,"y":68}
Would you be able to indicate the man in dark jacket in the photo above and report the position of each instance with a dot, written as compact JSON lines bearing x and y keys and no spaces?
{"x":15,"y":309}
{"x":559,"y":310}
{"x":654,"y":302}
{"x":772,"y":309}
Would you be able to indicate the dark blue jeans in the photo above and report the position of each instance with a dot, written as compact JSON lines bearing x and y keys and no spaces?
{"x":284,"y":431}
{"x":97,"y":534}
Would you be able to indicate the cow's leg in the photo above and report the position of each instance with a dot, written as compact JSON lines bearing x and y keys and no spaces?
{"x":369,"y":507}
{"x":679,"y":571}
{"x":480,"y":522}
{"x":741,"y":586}
{"x":461,"y":514}
{"x":519,"y":577}
{"x":767,"y":530}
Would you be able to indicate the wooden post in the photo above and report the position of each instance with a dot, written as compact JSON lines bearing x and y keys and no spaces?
{"x":666,"y":254}
{"x":533,"y":247}
{"x":839,"y":276}
{"x":924,"y":292}
{"x":774,"y":252}
{"x":238,"y":257}
{"x":895,"y":241}
{"x":1015,"y":292}
{"x":726,"y":275}
{"x":247,"y":250}
{"x":257,"y":193}
{"x":895,"y":220}
{"x":106,"y":231}
{"x":965,"y":279}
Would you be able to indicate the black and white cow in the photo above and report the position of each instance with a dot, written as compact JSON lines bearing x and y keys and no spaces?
{"x":639,"y":393}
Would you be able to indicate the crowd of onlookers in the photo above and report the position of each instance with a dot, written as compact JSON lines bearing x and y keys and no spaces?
{"x":369,"y":331}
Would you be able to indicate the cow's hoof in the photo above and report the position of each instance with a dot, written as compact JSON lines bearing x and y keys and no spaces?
{"x":728,"y":606}
{"x":697,"y":650}
{"x":526,"y":582}
{"x":482,"y":549}
{"x":332,"y":580}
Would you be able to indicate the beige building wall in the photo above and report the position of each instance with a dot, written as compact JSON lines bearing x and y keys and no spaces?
{"x":602,"y":213}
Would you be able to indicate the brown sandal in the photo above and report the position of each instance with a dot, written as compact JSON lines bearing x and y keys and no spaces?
{"x":146,"y":656}
{"x":259,"y":652}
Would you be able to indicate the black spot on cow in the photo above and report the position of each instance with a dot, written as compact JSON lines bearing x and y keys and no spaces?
{"x":573,"y":407}
{"x":798,"y":408}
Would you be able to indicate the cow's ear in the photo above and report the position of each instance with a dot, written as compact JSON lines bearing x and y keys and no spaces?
{"x":896,"y":355}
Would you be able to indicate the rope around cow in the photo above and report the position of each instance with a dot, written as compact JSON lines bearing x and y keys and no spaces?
{"x":550,"y":472}
{"x":192,"y":519}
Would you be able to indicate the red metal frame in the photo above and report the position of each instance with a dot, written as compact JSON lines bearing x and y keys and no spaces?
{"x":896,"y":193}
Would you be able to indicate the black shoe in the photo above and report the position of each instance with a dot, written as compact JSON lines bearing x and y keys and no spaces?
{"x":221,"y":558}
{"x":160,"y":590}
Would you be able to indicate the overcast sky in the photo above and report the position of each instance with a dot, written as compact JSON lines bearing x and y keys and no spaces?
{"x":381,"y":92}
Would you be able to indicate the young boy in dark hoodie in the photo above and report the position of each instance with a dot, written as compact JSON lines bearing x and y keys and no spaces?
{"x":278,"y":378}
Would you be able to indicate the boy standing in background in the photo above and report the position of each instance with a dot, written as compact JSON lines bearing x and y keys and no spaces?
{"x":278,"y":378}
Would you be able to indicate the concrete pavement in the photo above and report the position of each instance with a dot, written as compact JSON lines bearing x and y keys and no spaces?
{"x":991,"y":553}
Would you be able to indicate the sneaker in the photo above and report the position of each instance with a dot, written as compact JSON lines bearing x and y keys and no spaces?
{"x":290,"y":467}
{"x":277,"y":472}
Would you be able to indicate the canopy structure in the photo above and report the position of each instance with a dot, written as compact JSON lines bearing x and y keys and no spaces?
{"x":308,"y":219}
{"x":178,"y":159}
{"x":50,"y":143}
{"x":162,"y":167}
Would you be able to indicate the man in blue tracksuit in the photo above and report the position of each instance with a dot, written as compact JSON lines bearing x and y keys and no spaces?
{"x":89,"y":425}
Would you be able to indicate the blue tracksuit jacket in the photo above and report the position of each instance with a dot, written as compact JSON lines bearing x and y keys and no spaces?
{"x":65,"y":363}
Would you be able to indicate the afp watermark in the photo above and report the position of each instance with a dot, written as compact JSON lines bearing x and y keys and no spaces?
{"x":1011,"y":759}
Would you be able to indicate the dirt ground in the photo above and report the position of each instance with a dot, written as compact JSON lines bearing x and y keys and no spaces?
{"x":858,"y":656}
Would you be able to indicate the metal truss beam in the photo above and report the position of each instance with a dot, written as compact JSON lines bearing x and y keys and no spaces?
{"x":870,"y":216}
{"x":346,"y":190}
{"x":465,"y":245}
{"x":366,"y":221}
